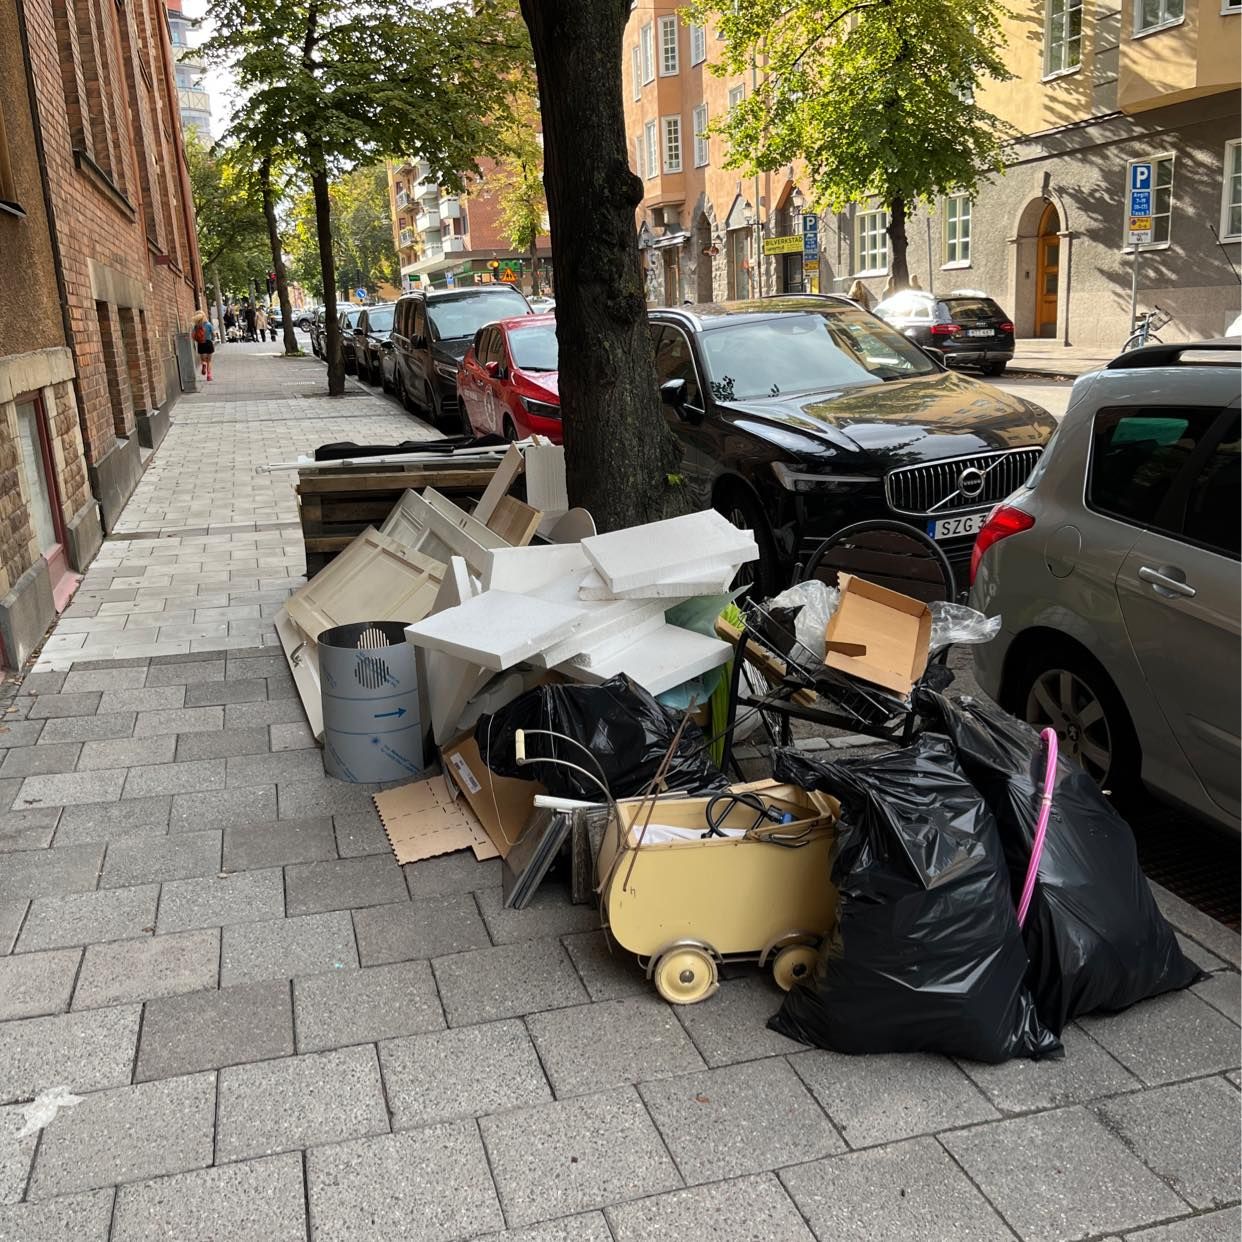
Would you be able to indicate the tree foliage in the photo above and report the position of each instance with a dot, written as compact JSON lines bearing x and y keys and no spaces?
{"x":361,"y":233}
{"x":877,"y":96}
{"x":232,"y":234}
{"x":517,"y":183}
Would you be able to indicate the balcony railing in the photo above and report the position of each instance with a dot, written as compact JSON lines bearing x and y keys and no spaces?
{"x":450,"y":207}
{"x":403,"y":198}
{"x":453,"y":245}
{"x":427,"y":219}
{"x":407,"y":237}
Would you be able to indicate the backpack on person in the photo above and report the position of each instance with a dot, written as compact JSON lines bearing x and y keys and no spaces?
{"x":200,"y":334}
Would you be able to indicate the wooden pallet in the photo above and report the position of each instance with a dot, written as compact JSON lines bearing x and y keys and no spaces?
{"x":336,"y":506}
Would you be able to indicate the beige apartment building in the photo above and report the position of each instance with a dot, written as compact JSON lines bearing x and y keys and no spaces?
{"x":445,"y":239}
{"x":1097,"y":88}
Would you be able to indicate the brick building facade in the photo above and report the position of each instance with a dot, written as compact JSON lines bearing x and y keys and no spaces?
{"x":100,"y":275}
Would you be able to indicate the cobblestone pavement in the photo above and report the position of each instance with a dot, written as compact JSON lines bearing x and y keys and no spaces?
{"x":277,"y":1033}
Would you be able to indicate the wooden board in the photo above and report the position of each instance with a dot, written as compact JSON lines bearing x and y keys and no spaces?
{"x":514,"y":521}
{"x":374,"y":579}
{"x":771,"y":667}
{"x":511,"y":465}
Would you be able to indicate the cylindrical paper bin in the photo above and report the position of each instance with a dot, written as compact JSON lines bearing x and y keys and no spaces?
{"x":371,"y":725}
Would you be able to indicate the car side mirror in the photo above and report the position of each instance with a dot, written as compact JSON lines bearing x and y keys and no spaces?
{"x":386,"y":344}
{"x":492,"y":368}
{"x":673,"y":393}
{"x":936,"y":355}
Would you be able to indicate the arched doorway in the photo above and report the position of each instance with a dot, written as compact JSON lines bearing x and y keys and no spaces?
{"x":705,"y":290}
{"x":1047,"y":271}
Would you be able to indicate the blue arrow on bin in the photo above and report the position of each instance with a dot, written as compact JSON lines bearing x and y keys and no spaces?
{"x":381,"y":715}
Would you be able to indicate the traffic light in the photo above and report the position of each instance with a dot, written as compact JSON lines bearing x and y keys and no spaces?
{"x":493,"y":264}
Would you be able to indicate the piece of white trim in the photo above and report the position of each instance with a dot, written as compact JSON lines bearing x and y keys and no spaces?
{"x":303,"y":657}
{"x":511,"y":465}
{"x":658,"y":661}
{"x":692,"y":546}
{"x":546,"y":489}
{"x":497,"y":629}
{"x":450,"y":531}
{"x":451,"y":683}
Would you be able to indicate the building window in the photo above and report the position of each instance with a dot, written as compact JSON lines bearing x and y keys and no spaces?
{"x":736,"y":95}
{"x":635,"y":73}
{"x":649,"y":137}
{"x":702,"y":152}
{"x":1161,"y":198}
{"x":698,"y":43}
{"x":1152,"y":14}
{"x":871,"y":249}
{"x":640,"y":164}
{"x":957,"y":230}
{"x":646,"y":54}
{"x":1231,"y":212}
{"x":1231,"y":6}
{"x":1063,"y":35}
{"x":669,"y":64}
{"x":672,"y":144}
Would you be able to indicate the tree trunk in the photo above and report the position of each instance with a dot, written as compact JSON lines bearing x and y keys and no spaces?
{"x":619,"y":451}
{"x":534,"y":267}
{"x":327,"y":267}
{"x":215,"y":282}
{"x":278,"y":262}
{"x":900,"y":268}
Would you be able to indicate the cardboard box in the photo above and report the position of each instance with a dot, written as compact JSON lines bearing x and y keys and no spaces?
{"x":503,"y":804}
{"x":894,"y":630}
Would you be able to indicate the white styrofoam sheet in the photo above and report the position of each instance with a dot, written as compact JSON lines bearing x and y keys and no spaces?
{"x":615,"y":621}
{"x":708,"y":581}
{"x":531,"y":568}
{"x":450,"y":682}
{"x":660,"y":660}
{"x":545,"y":479}
{"x":680,"y":547}
{"x":497,"y":629}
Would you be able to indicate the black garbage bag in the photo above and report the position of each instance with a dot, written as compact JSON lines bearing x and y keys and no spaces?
{"x":1094,"y":935}
{"x":926,"y":955}
{"x":621,"y":725}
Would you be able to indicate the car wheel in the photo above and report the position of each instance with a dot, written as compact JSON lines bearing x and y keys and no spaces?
{"x":994,"y":368}
{"x":758,"y":577}
{"x":1062,"y":688}
{"x":508,"y":430}
{"x":403,"y":393}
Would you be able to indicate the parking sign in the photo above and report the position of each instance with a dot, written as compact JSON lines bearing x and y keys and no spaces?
{"x":1138,"y":207}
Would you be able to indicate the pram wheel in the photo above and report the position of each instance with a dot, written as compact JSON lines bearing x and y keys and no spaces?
{"x":792,"y":963}
{"x":685,"y":975}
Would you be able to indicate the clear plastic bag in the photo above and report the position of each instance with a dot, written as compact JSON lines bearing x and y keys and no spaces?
{"x":816,"y":602}
{"x":956,"y":623}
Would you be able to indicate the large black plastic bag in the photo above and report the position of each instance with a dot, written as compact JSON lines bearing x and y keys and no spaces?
{"x":926,"y":954}
{"x":622,"y":726}
{"x":1093,"y":933}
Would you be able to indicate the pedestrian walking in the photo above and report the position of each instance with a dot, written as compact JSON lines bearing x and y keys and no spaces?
{"x":204,"y":334}
{"x":249,"y":317}
{"x":260,"y":323}
{"x":915,"y":283}
{"x":230,"y":322}
{"x":271,"y":325}
{"x":860,"y":294}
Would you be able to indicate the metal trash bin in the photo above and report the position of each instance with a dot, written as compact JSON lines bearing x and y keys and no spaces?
{"x":372,"y":730}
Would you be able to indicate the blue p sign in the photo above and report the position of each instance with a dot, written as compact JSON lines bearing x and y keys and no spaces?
{"x":1140,"y":176}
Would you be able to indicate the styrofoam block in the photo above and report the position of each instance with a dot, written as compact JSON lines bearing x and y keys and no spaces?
{"x":715,"y":582}
{"x":497,"y":629}
{"x":603,"y":646}
{"x":528,"y":569}
{"x":450,"y":682}
{"x":618,"y":622}
{"x":659,"y":661}
{"x":680,"y":547}
{"x":545,"y":478}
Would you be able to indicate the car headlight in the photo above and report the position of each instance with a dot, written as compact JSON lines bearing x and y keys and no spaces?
{"x":447,"y":370}
{"x":541,"y":409}
{"x":794,"y":478}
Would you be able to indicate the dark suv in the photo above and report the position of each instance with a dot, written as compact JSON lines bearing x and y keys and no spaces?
{"x":800,"y":415}
{"x":431,"y":333}
{"x":970,"y":329}
{"x":372,"y":338}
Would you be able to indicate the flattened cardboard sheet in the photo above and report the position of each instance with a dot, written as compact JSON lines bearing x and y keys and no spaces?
{"x":503,"y":804}
{"x":425,"y":819}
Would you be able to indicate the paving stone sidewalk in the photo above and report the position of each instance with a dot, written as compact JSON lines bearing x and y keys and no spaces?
{"x":277,"y":1033}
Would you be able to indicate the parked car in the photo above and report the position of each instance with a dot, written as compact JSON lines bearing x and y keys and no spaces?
{"x":969,"y":328}
{"x":799,"y":415}
{"x":507,"y":382}
{"x":541,"y":304}
{"x":372,"y":337}
{"x":348,"y":317}
{"x":1114,"y":570}
{"x":304,"y":317}
{"x":431,"y":333}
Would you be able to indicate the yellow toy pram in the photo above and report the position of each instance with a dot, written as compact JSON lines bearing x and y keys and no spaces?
{"x":688,"y":883}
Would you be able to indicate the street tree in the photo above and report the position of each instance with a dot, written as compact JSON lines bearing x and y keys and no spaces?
{"x":517,"y":184}
{"x":877,"y":96}
{"x":270,"y":191}
{"x":334,"y":84}
{"x":621,"y":458}
{"x":232,"y":236}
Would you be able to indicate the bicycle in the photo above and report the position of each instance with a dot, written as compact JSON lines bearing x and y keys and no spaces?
{"x":1145,"y":333}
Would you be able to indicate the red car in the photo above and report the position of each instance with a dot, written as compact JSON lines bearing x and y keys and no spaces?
{"x":507,"y":381}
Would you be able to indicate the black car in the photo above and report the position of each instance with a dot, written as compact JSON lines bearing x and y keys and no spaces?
{"x":431,"y":332}
{"x":969,"y":328}
{"x":372,"y":338}
{"x":347,"y":316}
{"x":800,"y":415}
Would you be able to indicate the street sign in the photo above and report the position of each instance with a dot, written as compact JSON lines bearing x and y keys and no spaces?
{"x":790,"y":244}
{"x":810,"y":246}
{"x":508,"y":276}
{"x":361,"y":293}
{"x":810,"y":223}
{"x":1138,"y":206}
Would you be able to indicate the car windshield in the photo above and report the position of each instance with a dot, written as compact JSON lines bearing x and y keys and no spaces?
{"x":973,"y":310}
{"x":380,"y":319}
{"x":534,"y":349}
{"x":464,"y":316}
{"x":805,"y":351}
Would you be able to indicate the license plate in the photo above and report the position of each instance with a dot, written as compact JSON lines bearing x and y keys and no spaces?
{"x":955,"y":527}
{"x":981,"y":332}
